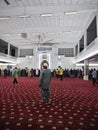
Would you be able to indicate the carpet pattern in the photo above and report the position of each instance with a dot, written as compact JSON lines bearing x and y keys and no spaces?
{"x":74,"y":105}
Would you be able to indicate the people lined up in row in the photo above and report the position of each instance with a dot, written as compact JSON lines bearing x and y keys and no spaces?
{"x":21,"y":72}
{"x":68,"y":73}
{"x":55,"y":72}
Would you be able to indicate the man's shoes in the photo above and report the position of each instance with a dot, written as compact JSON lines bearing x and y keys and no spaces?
{"x":49,"y":103}
{"x":43,"y":101}
{"x":46,"y":101}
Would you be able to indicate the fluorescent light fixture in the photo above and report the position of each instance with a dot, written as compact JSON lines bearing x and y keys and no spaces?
{"x":8,"y":64}
{"x":70,"y":12}
{"x":50,"y":33}
{"x":46,"y":15}
{"x":7,"y":34}
{"x":81,"y":64}
{"x":4,"y":18}
{"x":93,"y":64}
{"x":25,"y":16}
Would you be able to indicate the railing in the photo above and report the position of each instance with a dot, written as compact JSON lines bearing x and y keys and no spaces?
{"x":2,"y":54}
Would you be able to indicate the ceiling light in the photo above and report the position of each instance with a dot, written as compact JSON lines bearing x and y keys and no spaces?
{"x":80,"y":64}
{"x":25,"y":16}
{"x":4,"y":18}
{"x":50,"y":33}
{"x":7,"y":34}
{"x":93,"y":64}
{"x":71,"y":12}
{"x":12,"y":64}
{"x":46,"y":15}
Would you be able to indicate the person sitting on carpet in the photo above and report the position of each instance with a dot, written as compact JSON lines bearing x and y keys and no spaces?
{"x":44,"y":83}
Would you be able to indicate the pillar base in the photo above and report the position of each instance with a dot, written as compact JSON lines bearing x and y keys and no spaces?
{"x":85,"y":77}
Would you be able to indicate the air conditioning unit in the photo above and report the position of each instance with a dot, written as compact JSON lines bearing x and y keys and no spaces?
{"x":24,"y":35}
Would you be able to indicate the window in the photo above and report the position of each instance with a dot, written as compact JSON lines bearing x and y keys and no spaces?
{"x":92,"y":31}
{"x":13,"y":51}
{"x":68,"y":52}
{"x":81,"y":42}
{"x":76,"y":50}
{"x":3,"y":47}
{"x":26,"y":52}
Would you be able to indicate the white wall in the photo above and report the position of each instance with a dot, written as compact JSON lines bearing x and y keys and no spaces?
{"x":32,"y":63}
{"x":64,"y":62}
{"x":26,"y":62}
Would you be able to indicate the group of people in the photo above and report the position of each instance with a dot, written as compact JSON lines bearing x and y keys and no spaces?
{"x":94,"y":77}
{"x":44,"y":82}
{"x":59,"y":72}
{"x":45,"y":79}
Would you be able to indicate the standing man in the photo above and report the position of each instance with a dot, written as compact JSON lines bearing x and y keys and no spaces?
{"x":60,"y":73}
{"x":94,"y":77}
{"x":15,"y":75}
{"x":44,"y":83}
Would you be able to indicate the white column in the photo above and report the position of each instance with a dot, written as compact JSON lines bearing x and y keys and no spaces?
{"x":78,"y":48}
{"x":97,"y":19}
{"x":86,"y":69}
{"x":85,"y":39}
{"x":86,"y":61}
{"x":18,"y":52}
{"x":8,"y":48}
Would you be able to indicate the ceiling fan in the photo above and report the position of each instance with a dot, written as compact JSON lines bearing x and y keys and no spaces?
{"x":44,"y":42}
{"x":39,"y":42}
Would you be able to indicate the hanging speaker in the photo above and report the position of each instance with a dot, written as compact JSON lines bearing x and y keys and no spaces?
{"x":24,"y":35}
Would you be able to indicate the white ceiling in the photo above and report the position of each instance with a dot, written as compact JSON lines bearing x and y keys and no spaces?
{"x":59,"y":28}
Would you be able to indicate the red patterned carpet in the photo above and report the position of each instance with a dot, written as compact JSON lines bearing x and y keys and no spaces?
{"x":74,"y":105}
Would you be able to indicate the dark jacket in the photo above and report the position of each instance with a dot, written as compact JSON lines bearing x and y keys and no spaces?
{"x":44,"y":79}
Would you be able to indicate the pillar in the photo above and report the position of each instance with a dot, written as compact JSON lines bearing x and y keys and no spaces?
{"x":86,"y":69}
{"x":97,"y":19}
{"x":8,"y":48}
{"x":86,"y":61}
{"x":78,"y":48}
{"x":85,"y":39}
{"x":18,"y":52}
